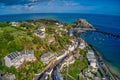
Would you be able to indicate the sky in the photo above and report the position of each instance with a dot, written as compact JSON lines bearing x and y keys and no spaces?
{"x":108,"y":7}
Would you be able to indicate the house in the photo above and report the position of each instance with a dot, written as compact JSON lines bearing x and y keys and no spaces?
{"x":93,"y":63}
{"x":66,"y":31}
{"x":70,"y":32}
{"x":47,"y":57}
{"x":81,"y":43}
{"x":61,"y":54}
{"x":59,"y":24}
{"x":90,"y":52}
{"x":98,"y":78}
{"x":75,"y":42}
{"x":40,"y":32}
{"x":77,"y":53}
{"x":16,"y":59}
{"x":51,"y":38}
{"x":71,"y":47}
{"x":10,"y":76}
{"x":14,"y":23}
{"x":92,"y":58}
{"x":59,"y":33}
{"x":7,"y":76}
{"x":88,"y":73}
{"x":42,"y":29}
{"x":70,"y":59}
{"x":90,"y":55}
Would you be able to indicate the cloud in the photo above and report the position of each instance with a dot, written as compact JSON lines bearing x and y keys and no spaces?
{"x":21,"y":2}
{"x":70,"y":3}
{"x":33,"y":2}
{"x":38,"y":6}
{"x":45,"y":6}
{"x":62,"y":3}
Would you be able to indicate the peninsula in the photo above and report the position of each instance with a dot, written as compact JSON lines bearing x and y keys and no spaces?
{"x":46,"y":49}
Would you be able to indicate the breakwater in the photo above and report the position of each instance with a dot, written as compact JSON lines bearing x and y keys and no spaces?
{"x":83,"y":30}
{"x":106,"y":33}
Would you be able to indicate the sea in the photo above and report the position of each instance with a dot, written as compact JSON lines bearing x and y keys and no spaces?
{"x":108,"y":46}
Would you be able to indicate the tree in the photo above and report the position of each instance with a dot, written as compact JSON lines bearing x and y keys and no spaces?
{"x":13,"y":46}
{"x":8,"y":36}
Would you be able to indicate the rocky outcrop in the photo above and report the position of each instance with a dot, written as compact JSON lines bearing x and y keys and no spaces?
{"x":83,"y":24}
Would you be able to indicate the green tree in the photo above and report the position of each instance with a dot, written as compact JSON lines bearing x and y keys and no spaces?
{"x":8,"y":36}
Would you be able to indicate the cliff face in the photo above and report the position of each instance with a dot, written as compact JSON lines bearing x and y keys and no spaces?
{"x":83,"y":23}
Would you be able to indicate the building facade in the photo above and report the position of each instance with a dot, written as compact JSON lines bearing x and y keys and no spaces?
{"x":91,"y":58}
{"x":47,"y":57}
{"x":16,"y":59}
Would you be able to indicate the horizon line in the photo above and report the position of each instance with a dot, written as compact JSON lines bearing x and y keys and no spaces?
{"x":60,"y":13}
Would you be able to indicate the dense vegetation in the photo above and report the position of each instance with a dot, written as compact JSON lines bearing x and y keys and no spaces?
{"x":21,"y":37}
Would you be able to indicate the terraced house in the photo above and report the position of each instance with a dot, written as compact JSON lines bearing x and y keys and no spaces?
{"x":16,"y":59}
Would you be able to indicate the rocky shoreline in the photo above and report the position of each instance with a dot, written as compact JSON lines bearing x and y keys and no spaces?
{"x":83,"y":22}
{"x":107,"y":67}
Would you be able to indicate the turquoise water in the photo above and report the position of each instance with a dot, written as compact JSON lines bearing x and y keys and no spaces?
{"x":109,"y":47}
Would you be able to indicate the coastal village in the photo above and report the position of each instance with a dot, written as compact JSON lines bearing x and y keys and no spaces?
{"x":69,"y":59}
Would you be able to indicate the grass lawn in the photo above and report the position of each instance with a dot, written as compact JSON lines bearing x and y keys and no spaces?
{"x":76,"y":68}
{"x":9,"y":28}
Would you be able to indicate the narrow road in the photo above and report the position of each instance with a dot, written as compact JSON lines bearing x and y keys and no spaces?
{"x":53,"y":64}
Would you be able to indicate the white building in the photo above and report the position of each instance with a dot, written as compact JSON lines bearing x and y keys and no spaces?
{"x":47,"y":57}
{"x":7,"y":76}
{"x":59,"y":24}
{"x":70,"y":47}
{"x":82,"y":43}
{"x":66,"y":31}
{"x":14,"y":23}
{"x":40,"y":32}
{"x":70,"y":33}
{"x":98,"y":78}
{"x":82,"y":46}
{"x":92,"y":58}
{"x":16,"y":59}
{"x":70,"y":60}
{"x":42,"y":29}
{"x":93,"y":63}
{"x":73,"y":46}
{"x":62,"y":54}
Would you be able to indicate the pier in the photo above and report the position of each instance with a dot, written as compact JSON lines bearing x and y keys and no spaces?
{"x":83,"y":30}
